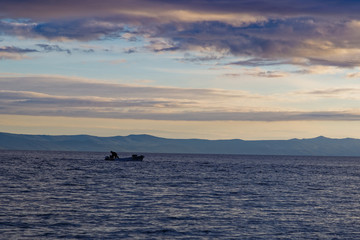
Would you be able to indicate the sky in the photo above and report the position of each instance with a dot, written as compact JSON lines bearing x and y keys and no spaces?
{"x":210,"y":69}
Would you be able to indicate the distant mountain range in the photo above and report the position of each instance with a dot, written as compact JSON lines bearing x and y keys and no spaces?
{"x":320,"y":146}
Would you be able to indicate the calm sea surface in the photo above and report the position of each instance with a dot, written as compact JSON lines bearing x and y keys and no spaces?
{"x":77,"y":195}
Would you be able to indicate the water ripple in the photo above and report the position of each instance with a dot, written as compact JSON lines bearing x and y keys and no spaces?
{"x":52,"y":195}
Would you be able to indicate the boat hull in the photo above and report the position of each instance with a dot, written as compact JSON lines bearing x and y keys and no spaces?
{"x":127,"y":159}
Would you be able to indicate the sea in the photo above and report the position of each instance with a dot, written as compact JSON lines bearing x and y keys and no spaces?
{"x":79,"y":195}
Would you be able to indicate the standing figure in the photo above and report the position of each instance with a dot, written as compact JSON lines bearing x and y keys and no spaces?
{"x":113,"y":155}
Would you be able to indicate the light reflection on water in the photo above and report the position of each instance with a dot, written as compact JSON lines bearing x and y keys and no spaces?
{"x":47,"y":195}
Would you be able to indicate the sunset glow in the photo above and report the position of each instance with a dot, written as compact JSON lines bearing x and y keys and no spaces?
{"x":181,"y":69}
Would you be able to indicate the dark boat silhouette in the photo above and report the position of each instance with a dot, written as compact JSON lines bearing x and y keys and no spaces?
{"x":133,"y":157}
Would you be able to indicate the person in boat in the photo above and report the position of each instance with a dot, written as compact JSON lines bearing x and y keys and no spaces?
{"x":113,"y":155}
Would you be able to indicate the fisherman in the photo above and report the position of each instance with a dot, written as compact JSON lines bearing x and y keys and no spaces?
{"x":113,"y":155}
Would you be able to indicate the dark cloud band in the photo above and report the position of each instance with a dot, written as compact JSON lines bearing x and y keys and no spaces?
{"x":267,"y":32}
{"x":55,"y":96}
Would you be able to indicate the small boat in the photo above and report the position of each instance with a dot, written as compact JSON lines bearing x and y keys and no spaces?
{"x":133,"y":157}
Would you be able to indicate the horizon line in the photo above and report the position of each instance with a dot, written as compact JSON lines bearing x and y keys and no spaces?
{"x":144,"y":134}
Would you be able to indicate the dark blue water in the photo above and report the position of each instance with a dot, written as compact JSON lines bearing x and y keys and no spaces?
{"x":77,"y":195}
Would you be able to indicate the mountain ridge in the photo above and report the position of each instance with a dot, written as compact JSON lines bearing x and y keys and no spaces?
{"x":318,"y":146}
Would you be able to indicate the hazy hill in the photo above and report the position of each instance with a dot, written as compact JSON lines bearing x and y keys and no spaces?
{"x":146,"y":143}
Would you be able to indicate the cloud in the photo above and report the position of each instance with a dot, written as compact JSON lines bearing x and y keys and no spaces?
{"x":49,"y":95}
{"x":61,"y":96}
{"x":354,"y":75}
{"x":322,"y":33}
{"x":15,"y":53}
{"x":16,"y":50}
{"x":80,"y":29}
{"x":319,"y":69}
{"x":53,"y":48}
{"x":130,"y":50}
{"x":55,"y":85}
{"x":258,"y":72}
{"x":204,"y":56}
{"x":35,"y":99}
{"x":255,"y":62}
{"x":335,"y":93}
{"x":36,"y":104}
{"x":197,"y":11}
